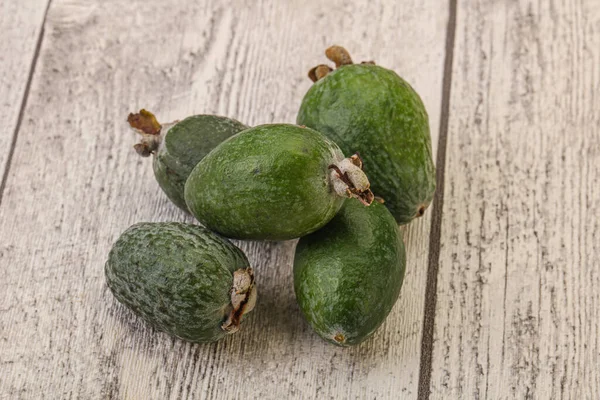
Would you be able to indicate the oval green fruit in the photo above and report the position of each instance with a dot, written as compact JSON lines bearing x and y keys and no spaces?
{"x":273,"y":182}
{"x":178,"y":147}
{"x":182,"y":279}
{"x":367,"y":108}
{"x":348,"y":275}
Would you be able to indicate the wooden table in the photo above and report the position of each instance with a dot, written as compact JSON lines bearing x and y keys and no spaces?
{"x":501,"y":297}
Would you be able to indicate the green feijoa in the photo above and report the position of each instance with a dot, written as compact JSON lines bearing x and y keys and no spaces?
{"x":182,"y":279}
{"x":273,"y":182}
{"x":371,"y":109}
{"x":347,"y":275}
{"x":179,"y":146}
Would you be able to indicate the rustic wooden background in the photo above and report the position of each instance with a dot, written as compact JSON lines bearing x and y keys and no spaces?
{"x":502,"y":297}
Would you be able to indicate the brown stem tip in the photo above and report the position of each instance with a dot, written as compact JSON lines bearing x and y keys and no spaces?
{"x":145,"y":122}
{"x":338,"y":55}
{"x":357,"y":160}
{"x":319,"y":72}
{"x":364,"y":196}
{"x":144,"y":149}
{"x":340,"y":338}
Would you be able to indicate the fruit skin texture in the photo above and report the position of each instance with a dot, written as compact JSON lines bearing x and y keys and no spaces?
{"x":371,"y":109}
{"x":348,"y":275}
{"x":177,"y":277}
{"x":270,"y":182}
{"x":184,"y":145}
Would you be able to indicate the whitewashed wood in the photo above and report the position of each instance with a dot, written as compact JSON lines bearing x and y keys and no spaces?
{"x":75,"y":184}
{"x":20,"y":26}
{"x":518,"y":305}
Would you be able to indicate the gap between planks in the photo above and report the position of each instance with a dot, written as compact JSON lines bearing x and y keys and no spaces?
{"x":13,"y":141}
{"x":436,"y":218}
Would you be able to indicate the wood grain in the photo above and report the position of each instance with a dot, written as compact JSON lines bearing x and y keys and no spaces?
{"x":75,"y":183}
{"x":21,"y":25}
{"x":518,"y":308}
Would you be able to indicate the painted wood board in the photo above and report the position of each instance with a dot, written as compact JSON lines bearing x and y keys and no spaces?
{"x":518,"y":308}
{"x":75,"y":183}
{"x":20,"y":28}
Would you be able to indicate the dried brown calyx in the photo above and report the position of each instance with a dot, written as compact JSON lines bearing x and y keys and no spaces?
{"x":340,"y":338}
{"x":339,"y":56}
{"x":421,"y":209}
{"x":349,"y":180}
{"x":243,"y":299}
{"x":146,"y":124}
{"x":319,"y":72}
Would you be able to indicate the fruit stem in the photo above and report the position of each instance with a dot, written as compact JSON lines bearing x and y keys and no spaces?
{"x":243,"y":298}
{"x":146,"y":124}
{"x":338,"y":55}
{"x":349,"y":180}
{"x":318,"y":72}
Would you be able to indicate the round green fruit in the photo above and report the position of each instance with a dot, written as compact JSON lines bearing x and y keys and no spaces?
{"x":273,"y":182}
{"x":182,"y":279}
{"x":367,"y":108}
{"x":348,"y":275}
{"x":178,"y":147}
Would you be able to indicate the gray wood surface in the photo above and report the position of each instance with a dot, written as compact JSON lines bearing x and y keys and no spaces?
{"x":518,"y":305}
{"x":20,"y":34}
{"x":75,"y":183}
{"x":500,"y":298}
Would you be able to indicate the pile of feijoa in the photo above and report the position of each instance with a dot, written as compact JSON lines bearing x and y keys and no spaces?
{"x":357,"y":164}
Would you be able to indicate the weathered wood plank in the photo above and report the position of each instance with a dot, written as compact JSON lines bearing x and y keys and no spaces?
{"x":20,"y":27}
{"x":518,"y":308}
{"x":76,"y":184}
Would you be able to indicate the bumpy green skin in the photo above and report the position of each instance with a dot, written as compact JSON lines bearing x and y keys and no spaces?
{"x":269,"y":182}
{"x":370,"y":109}
{"x":175,"y":276}
{"x":184,"y":145}
{"x":348,"y":275}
